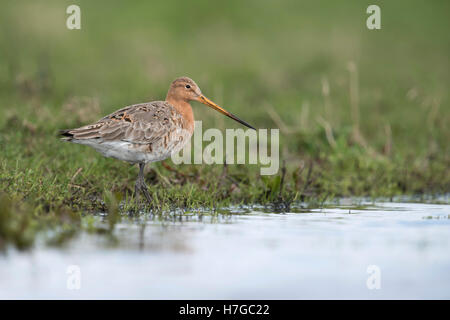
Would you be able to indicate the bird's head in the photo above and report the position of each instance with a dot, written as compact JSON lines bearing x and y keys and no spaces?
{"x":185,"y":89}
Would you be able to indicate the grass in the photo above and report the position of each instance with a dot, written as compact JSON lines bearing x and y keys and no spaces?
{"x":360,"y":112}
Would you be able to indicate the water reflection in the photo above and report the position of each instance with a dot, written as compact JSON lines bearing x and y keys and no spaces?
{"x":318,"y":253}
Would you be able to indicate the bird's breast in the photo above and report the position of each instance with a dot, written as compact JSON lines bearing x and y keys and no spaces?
{"x":164,"y":146}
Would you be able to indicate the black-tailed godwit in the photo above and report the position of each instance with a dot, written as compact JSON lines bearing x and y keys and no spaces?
{"x":147,"y":132}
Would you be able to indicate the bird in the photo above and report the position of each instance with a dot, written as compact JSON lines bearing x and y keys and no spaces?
{"x":147,"y":132}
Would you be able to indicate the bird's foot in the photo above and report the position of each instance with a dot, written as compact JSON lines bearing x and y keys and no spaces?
{"x":140,"y":186}
{"x":144,"y":190}
{"x":137,"y":189}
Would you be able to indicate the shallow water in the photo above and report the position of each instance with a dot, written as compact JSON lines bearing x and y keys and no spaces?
{"x":316,"y":254}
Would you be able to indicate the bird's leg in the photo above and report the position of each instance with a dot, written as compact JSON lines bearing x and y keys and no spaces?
{"x":137,"y":188}
{"x":140,"y":184}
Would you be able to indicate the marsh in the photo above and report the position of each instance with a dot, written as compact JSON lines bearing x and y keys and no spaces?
{"x":362,"y":114}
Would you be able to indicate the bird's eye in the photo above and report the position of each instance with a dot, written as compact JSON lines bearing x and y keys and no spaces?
{"x":188,"y":86}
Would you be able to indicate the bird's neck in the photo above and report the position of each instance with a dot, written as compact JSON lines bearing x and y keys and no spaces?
{"x":185,"y":109}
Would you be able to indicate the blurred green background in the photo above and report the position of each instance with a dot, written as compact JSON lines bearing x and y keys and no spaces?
{"x":306,"y":67}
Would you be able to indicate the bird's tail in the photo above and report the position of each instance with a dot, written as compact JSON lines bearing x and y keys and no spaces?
{"x":83,"y":133}
{"x":66,"y":135}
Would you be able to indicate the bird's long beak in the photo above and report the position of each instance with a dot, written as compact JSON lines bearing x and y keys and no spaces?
{"x":213,"y":105}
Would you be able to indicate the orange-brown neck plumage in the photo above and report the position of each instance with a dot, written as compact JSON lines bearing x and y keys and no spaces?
{"x":185,"y":109}
{"x":181,"y":92}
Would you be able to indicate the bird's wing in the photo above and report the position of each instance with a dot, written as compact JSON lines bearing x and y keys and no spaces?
{"x":140,"y":123}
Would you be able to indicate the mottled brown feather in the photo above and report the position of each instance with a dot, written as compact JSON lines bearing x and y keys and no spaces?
{"x":140,"y":124}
